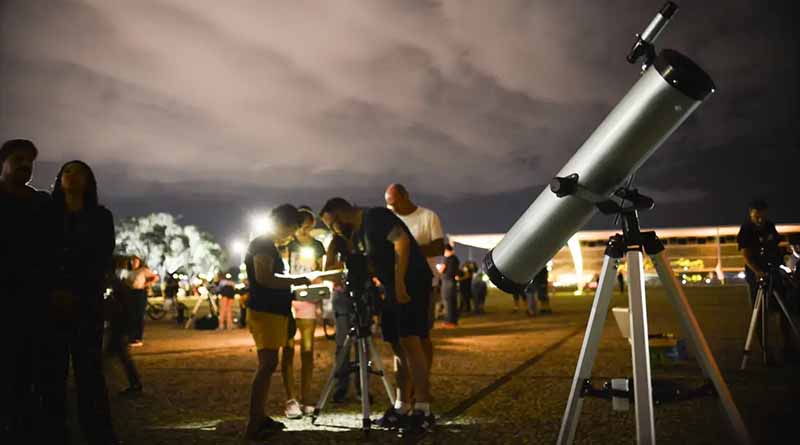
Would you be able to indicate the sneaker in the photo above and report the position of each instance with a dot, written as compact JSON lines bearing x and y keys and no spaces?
{"x":308,"y":410}
{"x":136,"y":343}
{"x":448,"y":325}
{"x":418,"y":423}
{"x":293,"y":410}
{"x":132,"y":390}
{"x":391,"y":419}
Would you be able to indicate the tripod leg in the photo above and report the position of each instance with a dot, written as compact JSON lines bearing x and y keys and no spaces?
{"x":194,"y":313}
{"x":212,"y":302}
{"x":591,"y":341}
{"x":751,"y":331}
{"x":378,"y":364}
{"x":342,"y":359}
{"x":364,"y":379}
{"x":788,"y":316}
{"x":706,"y":359}
{"x":640,"y":350}
{"x":765,"y":321}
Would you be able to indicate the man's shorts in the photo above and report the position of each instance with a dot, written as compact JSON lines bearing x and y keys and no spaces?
{"x":412,"y":319}
{"x":269,"y":331}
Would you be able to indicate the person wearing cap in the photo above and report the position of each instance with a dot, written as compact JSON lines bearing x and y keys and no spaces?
{"x":24,"y":259}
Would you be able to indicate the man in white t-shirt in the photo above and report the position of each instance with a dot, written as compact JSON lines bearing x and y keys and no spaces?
{"x":426,"y":227}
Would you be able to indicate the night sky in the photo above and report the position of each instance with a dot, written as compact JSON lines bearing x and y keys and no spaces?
{"x":214,"y":110}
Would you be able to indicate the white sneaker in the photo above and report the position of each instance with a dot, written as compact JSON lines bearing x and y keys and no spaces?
{"x":308,"y":410}
{"x":293,"y":410}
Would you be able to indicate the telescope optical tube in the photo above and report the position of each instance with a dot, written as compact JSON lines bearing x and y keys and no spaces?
{"x":657,"y":104}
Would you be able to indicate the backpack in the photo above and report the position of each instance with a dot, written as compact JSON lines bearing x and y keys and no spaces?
{"x":209,"y":322}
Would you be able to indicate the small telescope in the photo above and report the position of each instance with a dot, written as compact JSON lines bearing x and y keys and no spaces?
{"x":669,"y":90}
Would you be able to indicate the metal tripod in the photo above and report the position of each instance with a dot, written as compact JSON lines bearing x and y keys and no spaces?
{"x":632,"y":243}
{"x":368,"y":362}
{"x":761,"y":310}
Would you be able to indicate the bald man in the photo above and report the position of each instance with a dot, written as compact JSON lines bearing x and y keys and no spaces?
{"x":426,"y":227}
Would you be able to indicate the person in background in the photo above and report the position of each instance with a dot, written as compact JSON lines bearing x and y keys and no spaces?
{"x":464,"y":279}
{"x":226,"y":290}
{"x":450,"y":270}
{"x":269,"y":309}
{"x":120,"y":327}
{"x":479,"y":290}
{"x":85,"y":244}
{"x":537,"y":290}
{"x":305,"y":255}
{"x":759,"y":240}
{"x":139,"y":278}
{"x":26,"y":253}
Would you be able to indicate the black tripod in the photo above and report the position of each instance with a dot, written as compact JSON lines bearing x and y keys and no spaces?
{"x":761,"y":305}
{"x":368,"y":359}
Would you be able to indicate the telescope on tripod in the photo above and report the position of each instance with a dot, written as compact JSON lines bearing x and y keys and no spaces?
{"x":670,"y":89}
{"x":361,"y":295}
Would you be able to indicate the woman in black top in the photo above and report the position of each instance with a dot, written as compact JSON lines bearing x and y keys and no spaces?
{"x":269,"y":308}
{"x":84,"y":246}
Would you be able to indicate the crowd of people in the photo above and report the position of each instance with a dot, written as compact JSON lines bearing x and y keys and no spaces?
{"x":58,"y":248}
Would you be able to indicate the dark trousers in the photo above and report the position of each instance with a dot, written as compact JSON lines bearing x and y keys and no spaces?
{"x":82,"y":346}
{"x":17,"y":401}
{"x":537,"y":292}
{"x":465,"y":290}
{"x":119,"y":343}
{"x":450,"y":298}
{"x":138,"y":303}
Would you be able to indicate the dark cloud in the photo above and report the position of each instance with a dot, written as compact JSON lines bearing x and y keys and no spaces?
{"x":474,"y":105}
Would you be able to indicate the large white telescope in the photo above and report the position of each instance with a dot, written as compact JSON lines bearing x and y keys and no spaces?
{"x":671,"y":87}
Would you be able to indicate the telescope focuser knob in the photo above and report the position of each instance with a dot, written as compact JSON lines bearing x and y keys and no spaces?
{"x":564,"y":186}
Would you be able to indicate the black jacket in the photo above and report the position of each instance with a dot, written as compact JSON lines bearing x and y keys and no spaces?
{"x":84,"y":246}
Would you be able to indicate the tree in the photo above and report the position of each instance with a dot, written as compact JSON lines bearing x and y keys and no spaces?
{"x":165,"y":245}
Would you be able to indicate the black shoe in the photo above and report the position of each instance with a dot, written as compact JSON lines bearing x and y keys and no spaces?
{"x":132,"y":390}
{"x":271,"y":425}
{"x":418,"y":423}
{"x":391,"y":419}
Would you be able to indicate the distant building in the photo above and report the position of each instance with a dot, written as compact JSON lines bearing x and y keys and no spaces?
{"x":699,"y":255}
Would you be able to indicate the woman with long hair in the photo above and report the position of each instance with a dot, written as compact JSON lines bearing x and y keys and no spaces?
{"x":84,"y":246}
{"x":305,"y":255}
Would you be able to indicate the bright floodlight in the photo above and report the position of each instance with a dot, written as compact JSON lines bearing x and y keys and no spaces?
{"x":260,"y":224}
{"x":238,"y":247}
{"x":668,"y":92}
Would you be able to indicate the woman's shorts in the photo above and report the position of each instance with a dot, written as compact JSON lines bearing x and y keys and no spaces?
{"x":269,"y":331}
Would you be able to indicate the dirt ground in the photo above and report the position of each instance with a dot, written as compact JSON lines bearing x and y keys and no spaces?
{"x":500,"y":377}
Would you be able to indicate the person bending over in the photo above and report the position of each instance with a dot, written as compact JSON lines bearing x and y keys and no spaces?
{"x":400,"y":265}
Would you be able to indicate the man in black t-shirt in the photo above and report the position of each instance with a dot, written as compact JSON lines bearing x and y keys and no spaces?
{"x":758,"y":240}
{"x":398,"y":262}
{"x":26,"y":251}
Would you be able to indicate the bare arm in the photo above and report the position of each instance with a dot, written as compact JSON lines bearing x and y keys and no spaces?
{"x":434,"y":248}
{"x":265,"y":275}
{"x":402,"y":250}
